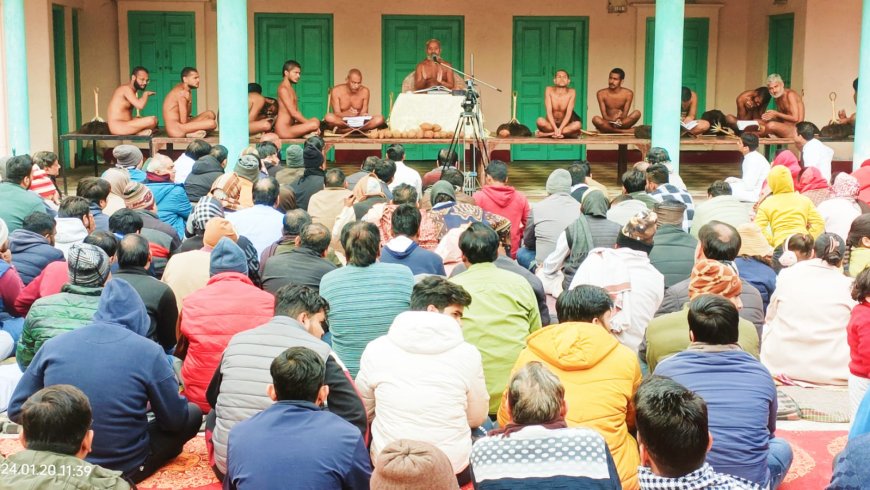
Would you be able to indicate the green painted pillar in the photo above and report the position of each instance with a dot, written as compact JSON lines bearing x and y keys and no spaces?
{"x":667,"y":80}
{"x":17,"y":106}
{"x":232,"y":35}
{"x":861,"y":149}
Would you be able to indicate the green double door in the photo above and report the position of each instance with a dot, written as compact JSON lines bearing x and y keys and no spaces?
{"x":164,"y":43}
{"x":306,"y":38}
{"x":542,"y":45}
{"x":403,"y":39}
{"x":780,"y":43}
{"x":696,"y":32}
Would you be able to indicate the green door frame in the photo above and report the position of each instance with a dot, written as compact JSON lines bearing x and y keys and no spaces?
{"x":58,"y":21}
{"x":579,"y":81}
{"x":780,"y":46}
{"x":649,"y":70}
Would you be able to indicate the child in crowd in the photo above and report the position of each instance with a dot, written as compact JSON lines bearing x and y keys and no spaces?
{"x":858,"y":332}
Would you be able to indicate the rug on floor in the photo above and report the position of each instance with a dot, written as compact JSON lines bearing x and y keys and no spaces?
{"x":814,"y":453}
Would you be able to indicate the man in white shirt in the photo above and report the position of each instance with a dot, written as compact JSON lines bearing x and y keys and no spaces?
{"x":194,"y":151}
{"x":814,"y":153}
{"x":755,"y":169}
{"x":262,"y":224}
{"x":404,"y":174}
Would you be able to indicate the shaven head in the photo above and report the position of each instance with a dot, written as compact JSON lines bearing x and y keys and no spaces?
{"x":354,"y":80}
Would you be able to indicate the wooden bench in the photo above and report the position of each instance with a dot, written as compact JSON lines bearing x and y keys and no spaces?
{"x":93,"y":138}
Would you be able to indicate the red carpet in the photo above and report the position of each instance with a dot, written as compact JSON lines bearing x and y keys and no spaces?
{"x":814,"y":453}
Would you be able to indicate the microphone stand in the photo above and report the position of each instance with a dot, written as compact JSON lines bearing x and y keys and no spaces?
{"x":463,"y":74}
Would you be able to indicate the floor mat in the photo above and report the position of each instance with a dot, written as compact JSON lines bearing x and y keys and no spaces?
{"x":819,"y":404}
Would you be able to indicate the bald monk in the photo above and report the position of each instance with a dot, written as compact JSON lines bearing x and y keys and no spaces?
{"x":177,"y":109}
{"x":429,"y":73}
{"x":124,"y":99}
{"x":258,"y":119}
{"x":751,"y":106}
{"x":351,"y":99}
{"x":561,"y":120}
{"x":615,"y":104}
{"x":789,"y":109}
{"x":842,"y":118}
{"x":689,"y":112}
{"x":290,"y":122}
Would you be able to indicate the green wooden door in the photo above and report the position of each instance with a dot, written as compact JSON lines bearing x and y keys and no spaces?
{"x":780,"y":42}
{"x":304,"y":38}
{"x":60,"y":81}
{"x":696,"y":33}
{"x":77,"y":74}
{"x":403,"y":38}
{"x":164,"y":43}
{"x":543,"y":45}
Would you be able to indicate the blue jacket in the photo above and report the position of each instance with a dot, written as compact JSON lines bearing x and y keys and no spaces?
{"x":101,"y":219}
{"x":741,"y":404}
{"x":173,"y":206}
{"x":419,"y":260}
{"x":318,"y":450}
{"x":120,"y":371}
{"x":759,"y":275}
{"x":851,"y":470}
{"x":31,"y":252}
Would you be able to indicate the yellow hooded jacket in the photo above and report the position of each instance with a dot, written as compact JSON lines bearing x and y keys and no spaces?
{"x":600,"y":376}
{"x":786,"y":212}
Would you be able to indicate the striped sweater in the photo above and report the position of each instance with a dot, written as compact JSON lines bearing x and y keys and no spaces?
{"x":363,"y":301}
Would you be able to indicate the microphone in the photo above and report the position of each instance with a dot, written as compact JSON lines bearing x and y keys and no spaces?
{"x":435,"y":58}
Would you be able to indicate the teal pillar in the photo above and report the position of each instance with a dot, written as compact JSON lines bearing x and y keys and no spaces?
{"x":232,"y":35}
{"x":17,"y":106}
{"x":861,"y":149}
{"x":667,"y":78}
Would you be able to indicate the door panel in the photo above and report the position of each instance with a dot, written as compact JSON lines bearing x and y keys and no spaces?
{"x":403,"y":47}
{"x":541,"y":46}
{"x":780,"y":44}
{"x":60,"y":79}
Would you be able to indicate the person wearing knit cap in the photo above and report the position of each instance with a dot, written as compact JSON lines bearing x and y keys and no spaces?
{"x":312,"y":179}
{"x":163,"y":237}
{"x":754,"y":261}
{"x":228,"y":304}
{"x":673,"y":252}
{"x":10,"y":288}
{"x":328,"y":452}
{"x":740,"y":393}
{"x":248,"y":171}
{"x":721,"y":242}
{"x":635,"y":286}
{"x":412,"y":465}
{"x":138,"y":196}
{"x":130,"y":158}
{"x":548,"y":219}
{"x":293,"y":167}
{"x":88,"y":269}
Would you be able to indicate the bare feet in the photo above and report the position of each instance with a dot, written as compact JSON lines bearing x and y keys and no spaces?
{"x":144,"y":132}
{"x":196,"y":134}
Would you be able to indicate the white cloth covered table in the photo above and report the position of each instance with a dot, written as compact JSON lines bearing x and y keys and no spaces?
{"x":410,"y":110}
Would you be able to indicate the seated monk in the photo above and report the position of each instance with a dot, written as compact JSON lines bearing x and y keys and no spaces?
{"x":751,"y":105}
{"x":561,"y":120}
{"x":351,"y":99}
{"x":290,"y":122}
{"x":789,"y":109}
{"x":431,"y":74}
{"x":842,"y":117}
{"x":177,"y":109}
{"x":124,"y":99}
{"x":261,"y":110}
{"x":615,"y":104}
{"x":689,"y":111}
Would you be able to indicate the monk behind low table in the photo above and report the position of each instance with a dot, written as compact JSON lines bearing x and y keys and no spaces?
{"x":124,"y":99}
{"x":177,"y":109}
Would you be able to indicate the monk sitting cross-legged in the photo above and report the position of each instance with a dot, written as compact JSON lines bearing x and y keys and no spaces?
{"x":177,"y":114}
{"x":351,"y":99}
{"x":561,"y":120}
{"x":615,"y":104}
{"x":290,"y":122}
{"x":124,"y":99}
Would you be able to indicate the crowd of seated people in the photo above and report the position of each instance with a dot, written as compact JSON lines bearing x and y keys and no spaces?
{"x":383,"y":330}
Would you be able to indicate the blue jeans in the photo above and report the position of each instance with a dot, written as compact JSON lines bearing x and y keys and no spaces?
{"x":779,"y":459}
{"x":526,"y":258}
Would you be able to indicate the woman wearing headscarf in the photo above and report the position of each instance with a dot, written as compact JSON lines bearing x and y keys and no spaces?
{"x":118,"y":179}
{"x":366,"y":194}
{"x":787,"y":159}
{"x":843,"y":207}
{"x":814,"y":185}
{"x":805,"y":333}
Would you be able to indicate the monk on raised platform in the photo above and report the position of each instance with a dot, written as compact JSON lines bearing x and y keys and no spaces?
{"x":561,"y":120}
{"x":260,"y":118}
{"x":351,"y":99}
{"x":290,"y":122}
{"x":689,"y":113}
{"x":124,"y":99}
{"x":431,"y":74}
{"x":615,"y":104}
{"x":177,"y":109}
{"x":751,"y":106}
{"x":789,"y":109}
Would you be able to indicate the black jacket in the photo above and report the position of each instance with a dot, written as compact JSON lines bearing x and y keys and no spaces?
{"x":307,"y":186}
{"x":159,"y":302}
{"x":205,"y":171}
{"x":301,"y":266}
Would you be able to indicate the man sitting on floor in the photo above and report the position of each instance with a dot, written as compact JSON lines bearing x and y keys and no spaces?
{"x":56,"y":432}
{"x":260,"y":223}
{"x":18,"y":202}
{"x":238,"y":389}
{"x":659,"y":188}
{"x":403,"y":247}
{"x":304,"y":265}
{"x":673,"y":437}
{"x":721,"y":205}
{"x":673,"y":253}
{"x":547,"y":219}
{"x":497,"y":197}
{"x":327,"y":451}
{"x":739,"y":391}
{"x":121,"y":392}
{"x":32,"y":245}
